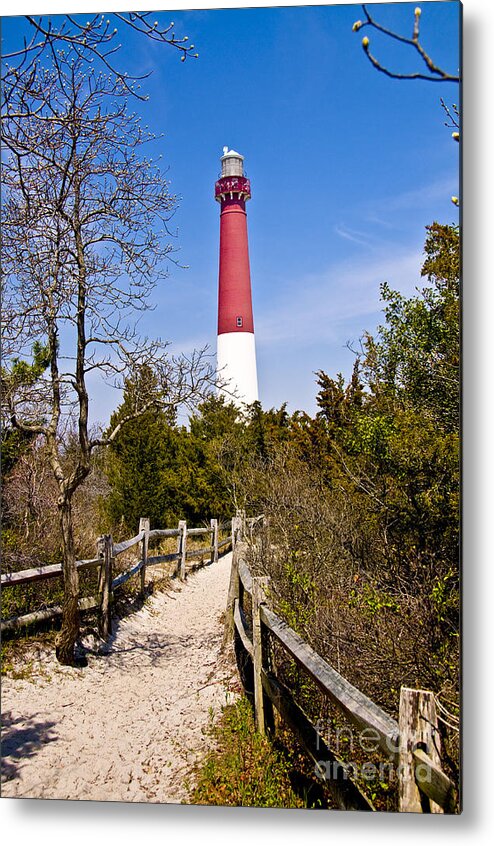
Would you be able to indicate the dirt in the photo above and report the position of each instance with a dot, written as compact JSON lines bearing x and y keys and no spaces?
{"x":132,"y":725}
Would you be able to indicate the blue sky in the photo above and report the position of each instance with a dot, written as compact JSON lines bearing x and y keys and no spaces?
{"x":347,"y":168}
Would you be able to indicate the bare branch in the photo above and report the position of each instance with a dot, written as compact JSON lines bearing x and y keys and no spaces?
{"x":93,"y":41}
{"x":435,"y":74}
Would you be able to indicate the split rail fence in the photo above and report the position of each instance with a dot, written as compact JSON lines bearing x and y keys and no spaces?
{"x":105,"y":562}
{"x":411,"y":745}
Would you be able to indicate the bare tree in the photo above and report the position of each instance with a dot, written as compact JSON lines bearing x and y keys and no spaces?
{"x":434,"y":73}
{"x":95,"y":41}
{"x":85,"y":238}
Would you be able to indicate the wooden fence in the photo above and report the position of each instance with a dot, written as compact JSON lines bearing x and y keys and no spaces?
{"x":410,"y":746}
{"x":107,"y":552}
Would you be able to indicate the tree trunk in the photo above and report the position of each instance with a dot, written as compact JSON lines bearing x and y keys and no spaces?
{"x":69,"y":633}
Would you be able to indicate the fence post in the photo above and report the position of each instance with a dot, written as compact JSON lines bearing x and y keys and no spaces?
{"x":236,"y":530}
{"x":214,"y":540}
{"x":105,"y":551}
{"x":418,"y":730}
{"x":182,"y":548}
{"x":263,"y":707}
{"x":233,"y":594}
{"x":144,"y":527}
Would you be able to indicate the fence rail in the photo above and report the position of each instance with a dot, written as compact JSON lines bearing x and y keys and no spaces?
{"x":36,"y":574}
{"x":411,"y":745}
{"x":108,"y":551}
{"x":358,"y":708}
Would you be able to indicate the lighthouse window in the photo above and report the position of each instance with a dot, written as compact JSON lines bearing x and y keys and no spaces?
{"x":239,"y":322}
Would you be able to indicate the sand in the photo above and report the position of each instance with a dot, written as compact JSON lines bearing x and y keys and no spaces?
{"x":132,"y":724}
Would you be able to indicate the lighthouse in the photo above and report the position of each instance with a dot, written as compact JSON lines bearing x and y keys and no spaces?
{"x":236,"y":351}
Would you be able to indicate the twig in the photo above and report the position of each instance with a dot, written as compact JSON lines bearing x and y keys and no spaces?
{"x":436,"y":74}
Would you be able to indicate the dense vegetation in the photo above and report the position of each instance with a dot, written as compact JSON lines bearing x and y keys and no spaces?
{"x":362,"y":498}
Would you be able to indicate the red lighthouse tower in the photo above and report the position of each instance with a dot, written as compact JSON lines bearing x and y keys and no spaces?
{"x":236,"y":351}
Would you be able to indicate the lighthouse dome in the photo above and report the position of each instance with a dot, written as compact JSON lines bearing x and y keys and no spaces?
{"x":227,"y":152}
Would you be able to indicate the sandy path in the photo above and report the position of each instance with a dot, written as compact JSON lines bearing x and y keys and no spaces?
{"x":131,"y":724}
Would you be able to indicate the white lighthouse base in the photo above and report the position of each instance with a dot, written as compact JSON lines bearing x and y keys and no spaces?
{"x":236,"y":367}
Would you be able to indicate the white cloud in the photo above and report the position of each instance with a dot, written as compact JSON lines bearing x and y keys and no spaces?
{"x":420,"y":197}
{"x":354,"y":236}
{"x":318,"y":308}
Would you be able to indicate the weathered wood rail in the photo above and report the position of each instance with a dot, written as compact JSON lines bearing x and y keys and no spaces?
{"x":411,"y":747}
{"x":108,"y":551}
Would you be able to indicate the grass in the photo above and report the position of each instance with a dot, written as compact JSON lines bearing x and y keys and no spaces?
{"x":17,"y":657}
{"x":246,"y":769}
